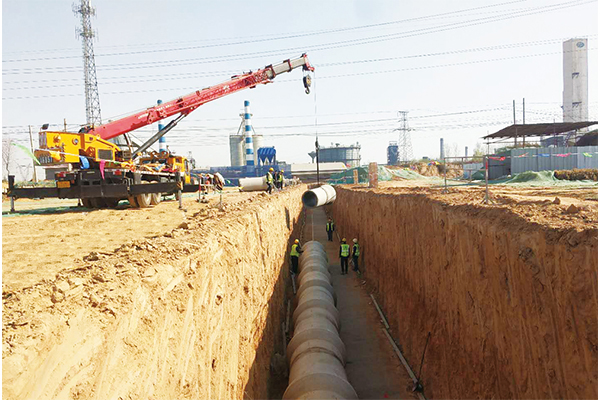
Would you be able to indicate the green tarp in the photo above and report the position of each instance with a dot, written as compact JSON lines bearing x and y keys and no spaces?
{"x":383,"y":174}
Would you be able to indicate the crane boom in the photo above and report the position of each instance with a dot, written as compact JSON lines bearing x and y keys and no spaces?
{"x":188,"y":103}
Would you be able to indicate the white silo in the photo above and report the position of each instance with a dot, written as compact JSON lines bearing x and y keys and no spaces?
{"x":236,"y":150}
{"x":258,"y":142}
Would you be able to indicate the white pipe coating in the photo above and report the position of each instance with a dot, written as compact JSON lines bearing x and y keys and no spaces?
{"x":320,"y":196}
{"x":253,"y":184}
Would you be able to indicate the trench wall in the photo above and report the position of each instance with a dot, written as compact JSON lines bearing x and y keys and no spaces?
{"x":194,"y":315}
{"x":511,"y":305}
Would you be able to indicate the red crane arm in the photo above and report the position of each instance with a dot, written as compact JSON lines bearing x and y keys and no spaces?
{"x":188,"y":103}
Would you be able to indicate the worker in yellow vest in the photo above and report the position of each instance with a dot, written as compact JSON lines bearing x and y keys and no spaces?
{"x":355,"y":254}
{"x":344,"y":254}
{"x":269,"y":179}
{"x":294,"y":255}
{"x":330,"y":228}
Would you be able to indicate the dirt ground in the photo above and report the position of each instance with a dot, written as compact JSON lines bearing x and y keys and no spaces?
{"x":85,"y":291}
{"x":507,"y":290}
{"x":536,"y":204}
{"x":51,"y":235}
{"x":186,"y":309}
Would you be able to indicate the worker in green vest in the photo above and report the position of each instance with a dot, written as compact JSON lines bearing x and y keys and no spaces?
{"x":269,"y":178}
{"x":344,"y":254}
{"x":330,"y":227}
{"x":294,"y":255}
{"x":355,"y":254}
{"x":280,"y":179}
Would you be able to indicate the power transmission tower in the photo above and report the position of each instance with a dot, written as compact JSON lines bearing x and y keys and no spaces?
{"x":92,"y":99}
{"x":405,"y":153}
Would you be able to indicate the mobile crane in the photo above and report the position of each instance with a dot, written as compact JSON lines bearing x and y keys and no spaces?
{"x":104,"y":173}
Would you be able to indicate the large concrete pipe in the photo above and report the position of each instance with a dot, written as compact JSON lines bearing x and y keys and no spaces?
{"x":316,"y":278}
{"x":320,"y":196}
{"x":314,"y":267}
{"x":313,"y":254}
{"x":316,"y":354}
{"x":253,"y":184}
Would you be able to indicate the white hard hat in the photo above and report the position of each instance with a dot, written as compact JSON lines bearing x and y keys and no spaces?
{"x":355,"y":240}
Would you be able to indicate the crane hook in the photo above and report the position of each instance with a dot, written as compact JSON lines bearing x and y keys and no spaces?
{"x":307,"y":82}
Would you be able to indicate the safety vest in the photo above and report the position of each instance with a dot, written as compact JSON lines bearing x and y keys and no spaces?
{"x":294,"y":252}
{"x":280,"y":178}
{"x":345,"y":249}
{"x":269,"y":177}
{"x":356,"y":250}
{"x":330,"y":226}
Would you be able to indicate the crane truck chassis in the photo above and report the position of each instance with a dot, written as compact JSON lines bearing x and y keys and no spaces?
{"x":103,"y":174}
{"x":141,"y":189}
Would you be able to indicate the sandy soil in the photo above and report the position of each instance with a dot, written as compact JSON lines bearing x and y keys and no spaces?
{"x":508,"y":290}
{"x":190,"y":309}
{"x":533,"y":204}
{"x":51,"y":235}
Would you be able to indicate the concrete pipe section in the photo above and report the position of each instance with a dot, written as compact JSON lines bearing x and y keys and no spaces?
{"x":316,"y":354}
{"x":320,"y":196}
{"x":253,"y":184}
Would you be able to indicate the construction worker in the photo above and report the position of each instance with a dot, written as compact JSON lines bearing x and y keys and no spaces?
{"x":269,"y":177}
{"x":330,"y":227}
{"x":344,"y":254}
{"x":280,"y":180}
{"x":355,"y":253}
{"x":294,"y":254}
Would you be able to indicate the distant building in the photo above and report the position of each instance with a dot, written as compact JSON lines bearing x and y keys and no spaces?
{"x":575,"y":80}
{"x":392,"y":153}
{"x":349,"y":155}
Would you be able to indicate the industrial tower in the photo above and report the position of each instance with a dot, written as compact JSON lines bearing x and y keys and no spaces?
{"x":405,"y":153}
{"x":575,"y":80}
{"x":92,"y":99}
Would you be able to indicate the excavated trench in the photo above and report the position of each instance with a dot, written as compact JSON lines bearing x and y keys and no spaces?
{"x":511,"y":304}
{"x":196,"y":313}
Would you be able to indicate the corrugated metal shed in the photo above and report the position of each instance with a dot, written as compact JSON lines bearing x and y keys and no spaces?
{"x":539,"y":129}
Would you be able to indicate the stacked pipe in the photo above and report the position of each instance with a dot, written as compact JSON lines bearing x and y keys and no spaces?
{"x":316,"y":354}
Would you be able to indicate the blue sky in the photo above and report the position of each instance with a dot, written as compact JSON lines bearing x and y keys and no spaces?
{"x":470,"y":59}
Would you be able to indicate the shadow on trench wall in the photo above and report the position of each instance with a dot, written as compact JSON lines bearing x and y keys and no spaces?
{"x":511,"y":305}
{"x":267,"y":377}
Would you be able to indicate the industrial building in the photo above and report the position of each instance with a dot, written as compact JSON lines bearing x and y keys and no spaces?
{"x":392,"y":153}
{"x":349,"y":155}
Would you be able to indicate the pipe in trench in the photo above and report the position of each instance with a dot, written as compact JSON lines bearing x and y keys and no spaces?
{"x":320,"y":196}
{"x":316,"y":353}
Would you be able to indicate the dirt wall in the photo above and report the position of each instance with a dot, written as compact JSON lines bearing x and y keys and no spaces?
{"x":195,"y":313}
{"x":511,"y":304}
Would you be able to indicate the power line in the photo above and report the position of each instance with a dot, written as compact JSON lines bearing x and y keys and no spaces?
{"x":165,"y":77}
{"x":322,"y":77}
{"x":352,"y":42}
{"x":278,"y":36}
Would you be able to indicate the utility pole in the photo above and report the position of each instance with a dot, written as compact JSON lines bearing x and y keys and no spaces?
{"x":523,"y":121}
{"x":405,"y":153}
{"x":515,"y":122}
{"x":31,"y":143}
{"x":317,"y":150}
